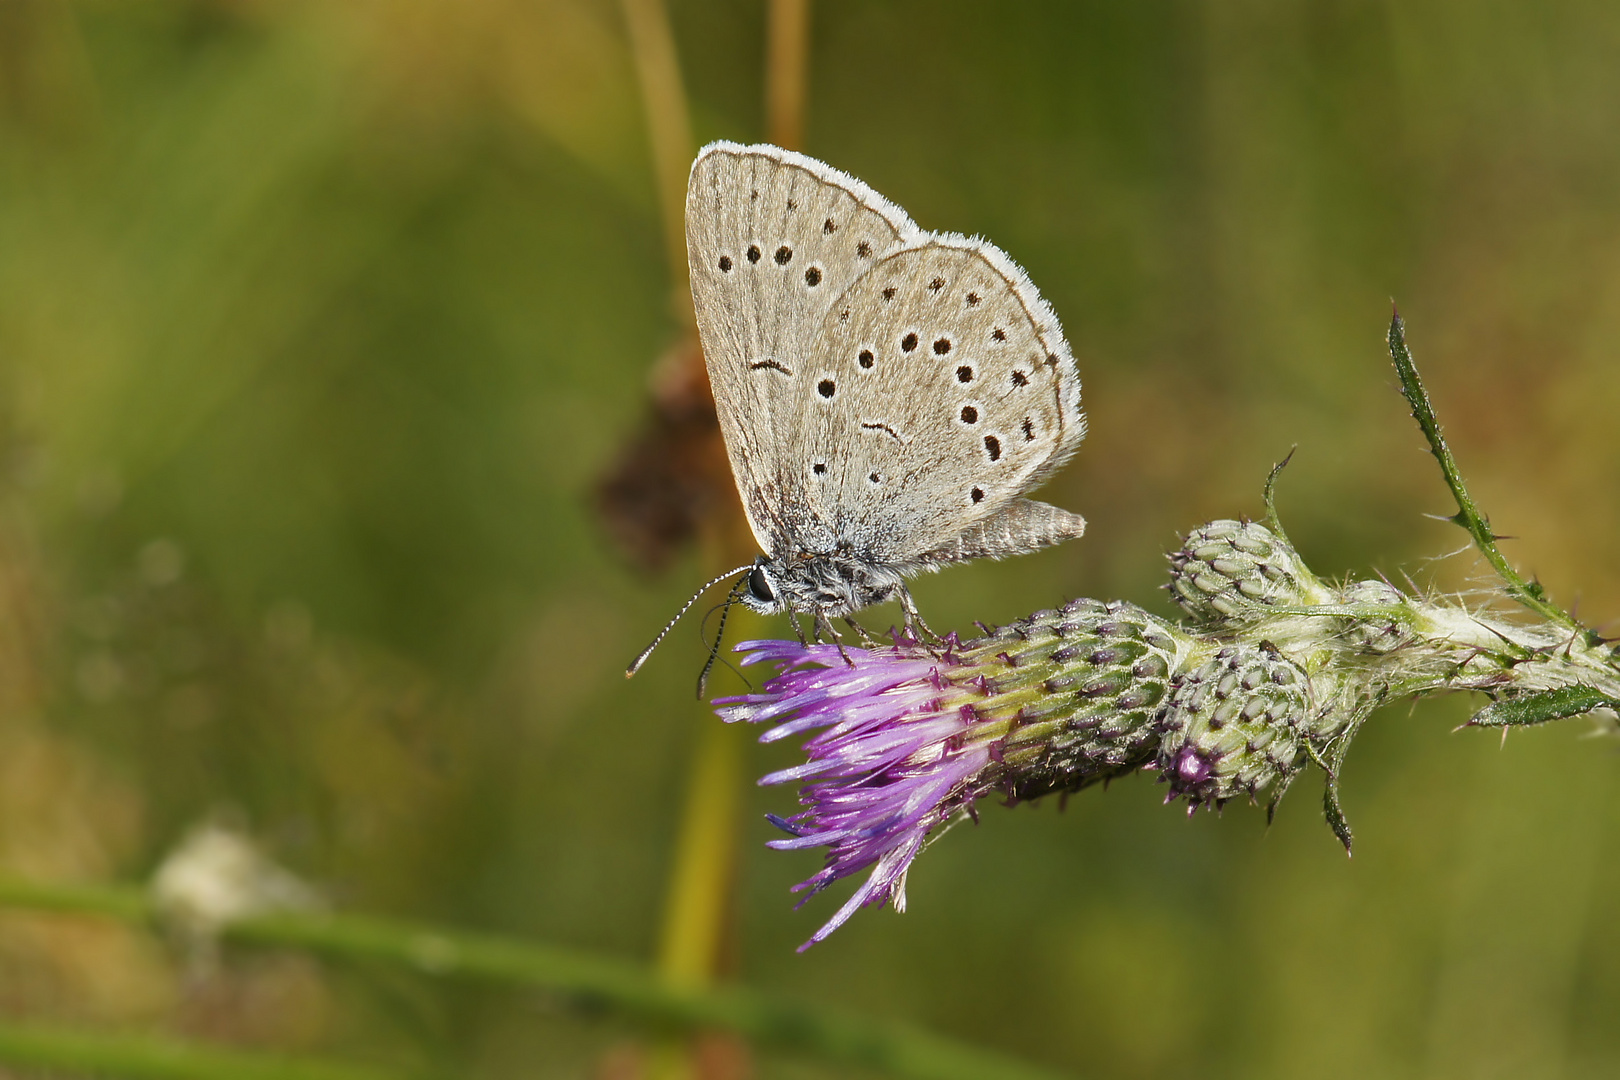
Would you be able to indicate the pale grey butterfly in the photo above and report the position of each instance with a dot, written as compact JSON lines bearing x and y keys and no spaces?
{"x":887,"y":394}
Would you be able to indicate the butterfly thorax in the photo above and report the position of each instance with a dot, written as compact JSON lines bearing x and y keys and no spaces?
{"x":827,"y":585}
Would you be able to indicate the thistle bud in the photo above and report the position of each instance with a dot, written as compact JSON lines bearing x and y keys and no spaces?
{"x":1233,"y":571}
{"x":1375,"y":633}
{"x":1234,"y":725}
{"x":1086,"y":684}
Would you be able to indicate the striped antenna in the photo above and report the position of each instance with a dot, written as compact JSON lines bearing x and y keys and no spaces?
{"x":635,"y":665}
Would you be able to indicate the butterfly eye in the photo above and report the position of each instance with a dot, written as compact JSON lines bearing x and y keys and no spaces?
{"x":759,"y":586}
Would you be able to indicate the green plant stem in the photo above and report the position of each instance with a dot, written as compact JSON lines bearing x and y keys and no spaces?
{"x":1468,"y":515}
{"x":625,"y":988}
{"x":60,"y":1050}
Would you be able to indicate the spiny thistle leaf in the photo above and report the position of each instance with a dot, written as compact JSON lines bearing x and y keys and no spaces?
{"x":1539,"y":708}
{"x":1469,"y":516}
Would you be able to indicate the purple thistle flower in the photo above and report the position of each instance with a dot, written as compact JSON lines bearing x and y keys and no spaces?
{"x":895,"y":755}
{"x":903,"y":739}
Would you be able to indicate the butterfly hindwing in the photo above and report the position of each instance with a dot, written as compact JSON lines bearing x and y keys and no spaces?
{"x":945,"y":391}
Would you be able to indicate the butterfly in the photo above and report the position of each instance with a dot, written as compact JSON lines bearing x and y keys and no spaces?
{"x":887,"y":395}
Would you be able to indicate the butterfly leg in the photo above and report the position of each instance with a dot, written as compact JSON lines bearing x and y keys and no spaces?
{"x":915,"y":627}
{"x":817,"y":620}
{"x":824,"y":623}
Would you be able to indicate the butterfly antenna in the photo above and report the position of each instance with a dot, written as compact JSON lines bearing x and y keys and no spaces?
{"x":635,"y":665}
{"x":720,"y":633}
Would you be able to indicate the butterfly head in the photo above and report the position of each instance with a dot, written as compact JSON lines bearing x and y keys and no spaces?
{"x":827,"y":585}
{"x":764,"y":591}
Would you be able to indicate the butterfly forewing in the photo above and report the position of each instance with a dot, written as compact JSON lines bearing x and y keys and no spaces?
{"x":773,"y":240}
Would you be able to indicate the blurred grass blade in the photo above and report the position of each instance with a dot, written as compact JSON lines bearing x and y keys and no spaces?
{"x":632,"y":991}
{"x":59,"y":1051}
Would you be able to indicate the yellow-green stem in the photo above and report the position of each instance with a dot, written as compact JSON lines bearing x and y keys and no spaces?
{"x":669,"y":133}
{"x":787,"y":51}
{"x":697,"y":907}
{"x":706,"y":856}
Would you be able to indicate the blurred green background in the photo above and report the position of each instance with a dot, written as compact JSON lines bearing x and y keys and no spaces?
{"x":320,"y":322}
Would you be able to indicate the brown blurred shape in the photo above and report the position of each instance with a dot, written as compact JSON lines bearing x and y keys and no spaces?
{"x":670,"y":483}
